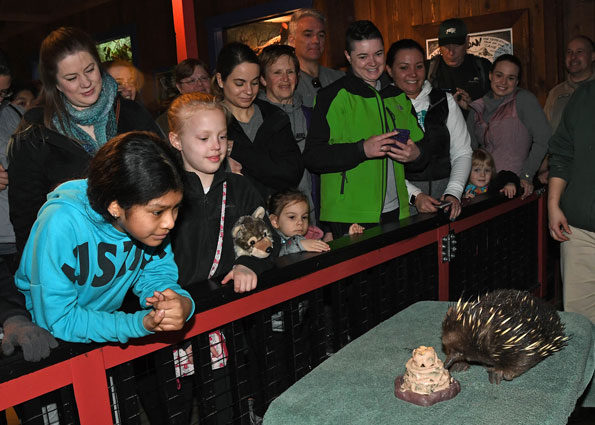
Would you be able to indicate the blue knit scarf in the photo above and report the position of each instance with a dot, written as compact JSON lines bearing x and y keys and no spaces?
{"x":100,"y":115}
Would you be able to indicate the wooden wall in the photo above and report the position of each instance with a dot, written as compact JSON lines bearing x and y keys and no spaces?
{"x":339,"y":14}
{"x":151,"y":19}
{"x":541,"y":27}
{"x":544,"y":26}
{"x":537,"y":47}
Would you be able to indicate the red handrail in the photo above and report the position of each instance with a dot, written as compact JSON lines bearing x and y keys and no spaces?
{"x":86,"y":372}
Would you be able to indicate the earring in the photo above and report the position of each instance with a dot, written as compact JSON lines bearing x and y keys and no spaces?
{"x":115,"y":216}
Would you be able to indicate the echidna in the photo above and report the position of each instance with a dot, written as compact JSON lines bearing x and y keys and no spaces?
{"x":508,"y":331}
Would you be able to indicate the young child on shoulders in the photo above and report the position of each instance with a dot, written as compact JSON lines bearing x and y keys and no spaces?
{"x":482,"y":179}
{"x":95,"y":239}
{"x":289,"y":213}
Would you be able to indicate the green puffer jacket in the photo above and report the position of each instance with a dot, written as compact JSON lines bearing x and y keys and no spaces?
{"x":346,"y":113}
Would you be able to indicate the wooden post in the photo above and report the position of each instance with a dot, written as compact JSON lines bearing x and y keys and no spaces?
{"x":185,"y":28}
{"x":90,"y":388}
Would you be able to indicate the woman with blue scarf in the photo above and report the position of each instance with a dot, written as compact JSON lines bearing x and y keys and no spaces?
{"x":80,"y":111}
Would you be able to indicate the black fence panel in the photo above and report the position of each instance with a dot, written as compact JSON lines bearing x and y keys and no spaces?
{"x":500,"y":253}
{"x":231,"y":374}
{"x":57,"y":407}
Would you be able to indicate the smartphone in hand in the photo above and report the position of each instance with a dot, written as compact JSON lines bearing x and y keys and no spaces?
{"x":402,"y":136}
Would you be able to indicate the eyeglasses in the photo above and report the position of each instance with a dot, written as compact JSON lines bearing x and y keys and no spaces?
{"x":125,"y":82}
{"x":316,"y":83}
{"x":5,"y":93}
{"x":194,"y":80}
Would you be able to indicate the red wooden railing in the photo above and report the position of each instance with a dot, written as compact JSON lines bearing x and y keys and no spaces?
{"x":86,"y":372}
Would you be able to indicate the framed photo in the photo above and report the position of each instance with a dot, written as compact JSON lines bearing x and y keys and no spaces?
{"x":257,"y":26}
{"x":116,"y":49}
{"x":487,"y":44}
{"x":260,"y":34}
{"x":117,"y":44}
{"x":165,"y":86}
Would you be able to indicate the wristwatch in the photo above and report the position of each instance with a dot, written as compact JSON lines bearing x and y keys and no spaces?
{"x":412,"y":200}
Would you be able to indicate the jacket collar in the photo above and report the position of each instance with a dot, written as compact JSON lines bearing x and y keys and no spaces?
{"x":360,"y":87}
{"x":193,"y":186}
{"x":34,"y":118}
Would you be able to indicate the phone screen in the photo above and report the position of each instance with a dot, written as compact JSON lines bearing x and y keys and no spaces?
{"x":402,"y":135}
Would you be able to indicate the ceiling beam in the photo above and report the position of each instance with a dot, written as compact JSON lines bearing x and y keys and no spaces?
{"x":24,"y":17}
{"x":30,"y":20}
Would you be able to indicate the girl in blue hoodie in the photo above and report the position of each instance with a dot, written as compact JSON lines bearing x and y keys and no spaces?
{"x":95,"y":239}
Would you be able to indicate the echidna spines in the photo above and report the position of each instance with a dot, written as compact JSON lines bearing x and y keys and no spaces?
{"x":508,"y":330}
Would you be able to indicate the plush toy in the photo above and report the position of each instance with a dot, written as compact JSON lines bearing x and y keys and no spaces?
{"x":252,"y":236}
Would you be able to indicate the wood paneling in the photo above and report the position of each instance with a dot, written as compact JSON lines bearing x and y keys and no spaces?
{"x":549,"y":25}
{"x":151,"y":19}
{"x":339,"y":15}
{"x":518,"y":20}
{"x":546,"y":23}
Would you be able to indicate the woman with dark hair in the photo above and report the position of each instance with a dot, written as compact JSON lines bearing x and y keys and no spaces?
{"x":24,"y":95}
{"x":190,"y":76}
{"x":509,"y":123}
{"x":446,"y":138}
{"x":80,"y":111}
{"x":263,"y":149}
{"x":92,"y":234}
{"x":351,"y":141}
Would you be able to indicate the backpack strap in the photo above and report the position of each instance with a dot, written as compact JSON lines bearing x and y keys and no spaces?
{"x":433,"y":69}
{"x":482,"y":71}
{"x":10,"y":105}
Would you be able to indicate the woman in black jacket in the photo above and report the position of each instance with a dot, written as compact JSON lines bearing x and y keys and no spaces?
{"x":80,"y":111}
{"x":264,"y":149}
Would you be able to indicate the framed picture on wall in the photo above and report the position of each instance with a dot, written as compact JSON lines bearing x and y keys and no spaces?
{"x":256,"y":26}
{"x":490,"y":35}
{"x":118,"y":44}
{"x":260,"y":34}
{"x":487,"y":44}
{"x":165,"y":86}
{"x":116,"y":49}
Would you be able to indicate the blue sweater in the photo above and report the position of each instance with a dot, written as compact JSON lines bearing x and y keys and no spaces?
{"x":77,"y":267}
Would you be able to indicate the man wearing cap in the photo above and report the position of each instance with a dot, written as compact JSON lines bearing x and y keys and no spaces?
{"x":466,"y":75}
{"x":307,"y":34}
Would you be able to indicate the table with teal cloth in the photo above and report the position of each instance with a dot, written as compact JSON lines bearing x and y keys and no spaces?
{"x":356,"y":384}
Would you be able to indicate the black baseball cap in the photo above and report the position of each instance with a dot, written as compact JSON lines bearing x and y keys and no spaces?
{"x":452,"y":31}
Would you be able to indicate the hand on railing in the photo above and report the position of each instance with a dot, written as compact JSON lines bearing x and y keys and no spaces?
{"x":527,"y":187}
{"x":244,"y":279}
{"x":170,"y":311}
{"x":36,"y":342}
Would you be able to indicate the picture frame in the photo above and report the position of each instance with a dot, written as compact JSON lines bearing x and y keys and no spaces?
{"x":486,"y":44}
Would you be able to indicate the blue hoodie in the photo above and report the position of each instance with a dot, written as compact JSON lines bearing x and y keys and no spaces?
{"x":77,"y":267}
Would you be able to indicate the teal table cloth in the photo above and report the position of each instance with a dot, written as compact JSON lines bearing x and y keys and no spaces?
{"x":356,"y":384}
